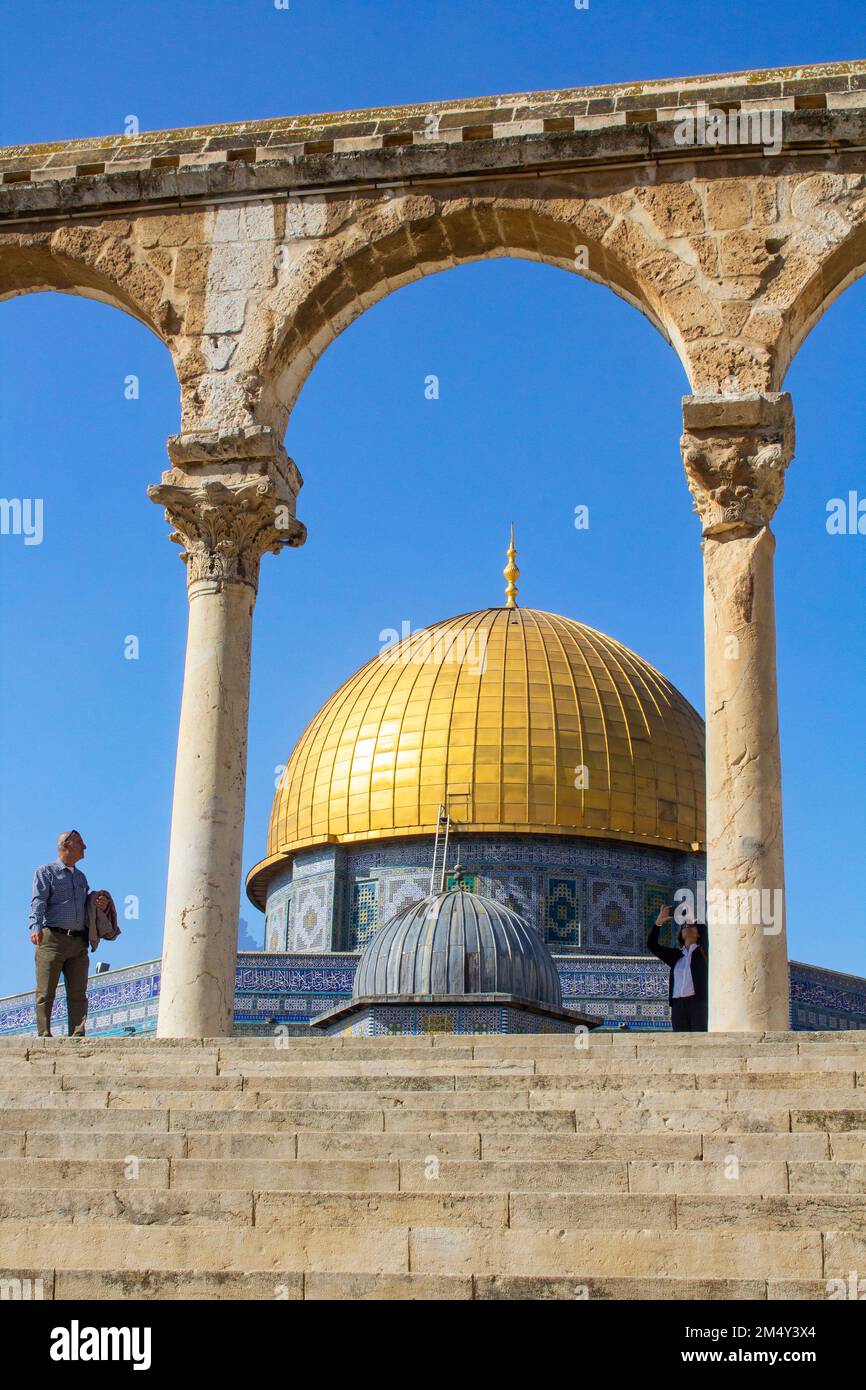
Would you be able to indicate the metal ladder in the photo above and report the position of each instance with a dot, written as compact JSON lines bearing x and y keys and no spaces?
{"x":437,"y":873}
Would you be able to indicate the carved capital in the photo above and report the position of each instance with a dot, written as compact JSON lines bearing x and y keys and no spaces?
{"x":230,"y":498}
{"x":225,"y":530}
{"x":735,"y":452}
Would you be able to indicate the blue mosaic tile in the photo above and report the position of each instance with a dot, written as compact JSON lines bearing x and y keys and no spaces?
{"x":562,"y":914}
{"x":612,"y":915}
{"x":654,"y":898}
{"x":365,"y":914}
{"x":417,"y":1020}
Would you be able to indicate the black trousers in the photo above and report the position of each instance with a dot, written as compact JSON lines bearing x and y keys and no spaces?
{"x":689,"y":1015}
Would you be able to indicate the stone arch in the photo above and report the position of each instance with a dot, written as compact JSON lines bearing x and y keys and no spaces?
{"x":779,"y":267}
{"x":106,"y":261}
{"x":833,"y":236}
{"x":343,"y":258}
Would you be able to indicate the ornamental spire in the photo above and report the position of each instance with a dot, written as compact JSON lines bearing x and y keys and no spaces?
{"x":511,"y":573}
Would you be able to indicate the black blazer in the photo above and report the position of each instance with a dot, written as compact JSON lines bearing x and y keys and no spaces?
{"x":671,"y":954}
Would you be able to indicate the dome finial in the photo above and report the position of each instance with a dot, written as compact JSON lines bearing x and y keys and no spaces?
{"x":511,"y":573}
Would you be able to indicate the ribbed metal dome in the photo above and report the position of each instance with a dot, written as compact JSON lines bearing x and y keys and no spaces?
{"x":458,"y":943}
{"x":495,"y":713}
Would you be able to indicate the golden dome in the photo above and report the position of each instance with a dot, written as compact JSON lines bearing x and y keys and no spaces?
{"x":520,"y":721}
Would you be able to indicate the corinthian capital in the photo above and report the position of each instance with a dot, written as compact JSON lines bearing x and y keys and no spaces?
{"x":225,"y":530}
{"x":735,"y":452}
{"x":229,"y":498}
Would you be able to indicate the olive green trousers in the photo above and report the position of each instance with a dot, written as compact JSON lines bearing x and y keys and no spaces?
{"x":64,"y":955}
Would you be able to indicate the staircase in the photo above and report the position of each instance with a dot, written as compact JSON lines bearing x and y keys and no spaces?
{"x":640,"y":1166}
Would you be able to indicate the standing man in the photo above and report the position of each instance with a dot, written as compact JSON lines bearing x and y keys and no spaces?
{"x":58,"y":930}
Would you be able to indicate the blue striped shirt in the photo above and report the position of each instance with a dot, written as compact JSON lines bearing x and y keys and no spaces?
{"x":59,"y":897}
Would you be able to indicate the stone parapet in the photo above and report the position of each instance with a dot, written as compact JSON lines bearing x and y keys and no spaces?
{"x":821,"y":102}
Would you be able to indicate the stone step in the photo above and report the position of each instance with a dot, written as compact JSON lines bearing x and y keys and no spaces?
{"x":840,"y":1073}
{"x":479,"y":1096}
{"x":748,"y":1097}
{"x":834,"y":1117}
{"x":700,"y":1254}
{"x":90,"y":1143}
{"x":30,"y":1100}
{"x":532,"y":1210}
{"x":596,"y":1175}
{"x":817,"y":1211}
{"x":571,"y":1211}
{"x":527,"y":1044}
{"x":95,"y":1144}
{"x":773,"y":1147}
{"x":78,"y":1285}
{"x":603,"y":1061}
{"x":369,"y":1120}
{"x":98,"y":1244}
{"x":126,"y":1204}
{"x":69,"y":1173}
{"x":438,"y":1172}
{"x":749,"y":1255}
{"x":508,"y":1144}
{"x":87,"y":1145}
{"x":26,"y":1077}
{"x":252,"y":1101}
{"x":659,"y":1289}
{"x":677,"y":1119}
{"x":218,"y":1175}
{"x":75,"y":1285}
{"x":849,"y":1146}
{"x":41,"y":1065}
{"x":435,"y":1166}
{"x":721,"y":1119}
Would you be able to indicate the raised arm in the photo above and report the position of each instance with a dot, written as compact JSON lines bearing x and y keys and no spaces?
{"x":667,"y":954}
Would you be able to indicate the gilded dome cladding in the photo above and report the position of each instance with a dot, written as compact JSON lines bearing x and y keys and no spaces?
{"x":528,"y":722}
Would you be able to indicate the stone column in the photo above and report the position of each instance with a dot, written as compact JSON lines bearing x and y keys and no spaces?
{"x":229,"y":498}
{"x":735,"y":451}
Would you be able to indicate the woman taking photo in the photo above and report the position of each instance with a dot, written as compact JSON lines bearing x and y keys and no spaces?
{"x":687,"y":983}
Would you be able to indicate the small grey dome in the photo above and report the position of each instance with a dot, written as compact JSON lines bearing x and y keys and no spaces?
{"x":458,"y":943}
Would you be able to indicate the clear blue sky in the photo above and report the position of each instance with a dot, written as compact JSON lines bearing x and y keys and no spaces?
{"x":553,"y":393}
